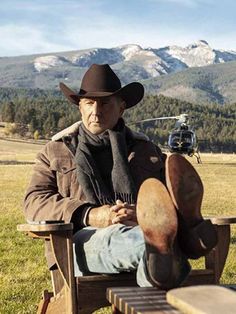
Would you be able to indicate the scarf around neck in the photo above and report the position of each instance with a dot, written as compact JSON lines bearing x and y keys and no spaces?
{"x":90,"y":176}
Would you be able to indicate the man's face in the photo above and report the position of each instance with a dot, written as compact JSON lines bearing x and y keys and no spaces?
{"x":100,"y":114}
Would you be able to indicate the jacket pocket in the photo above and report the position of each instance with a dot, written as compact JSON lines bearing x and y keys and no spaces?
{"x":65,"y":174}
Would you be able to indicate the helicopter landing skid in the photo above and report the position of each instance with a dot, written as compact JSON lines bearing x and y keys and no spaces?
{"x":197,"y":155}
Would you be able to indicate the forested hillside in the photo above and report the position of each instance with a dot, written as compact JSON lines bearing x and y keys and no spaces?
{"x":210,"y":84}
{"x":48,"y":112}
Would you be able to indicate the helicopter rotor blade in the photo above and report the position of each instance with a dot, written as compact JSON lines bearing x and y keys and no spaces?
{"x":153,"y":119}
{"x":182,"y":118}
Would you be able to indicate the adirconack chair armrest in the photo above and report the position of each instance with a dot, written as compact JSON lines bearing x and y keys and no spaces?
{"x":44,"y":229}
{"x":222,"y":220}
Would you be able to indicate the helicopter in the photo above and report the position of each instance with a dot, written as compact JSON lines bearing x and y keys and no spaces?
{"x":182,"y":139}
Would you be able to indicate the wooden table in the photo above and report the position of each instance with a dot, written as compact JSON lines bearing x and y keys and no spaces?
{"x":194,"y":299}
{"x":203,"y":299}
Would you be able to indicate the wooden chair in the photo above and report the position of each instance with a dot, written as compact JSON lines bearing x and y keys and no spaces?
{"x":83,"y":295}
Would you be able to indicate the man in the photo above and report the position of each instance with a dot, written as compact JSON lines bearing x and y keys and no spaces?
{"x":131,"y":209}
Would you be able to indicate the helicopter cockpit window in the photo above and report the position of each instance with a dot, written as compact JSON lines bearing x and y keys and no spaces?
{"x":181,"y":140}
{"x":186,"y":139}
{"x":174,"y":139}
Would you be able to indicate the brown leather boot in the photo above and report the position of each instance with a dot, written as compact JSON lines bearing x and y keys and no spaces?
{"x":157,"y":218}
{"x":197,"y":236}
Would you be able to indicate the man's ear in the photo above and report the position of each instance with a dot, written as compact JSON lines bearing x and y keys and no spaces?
{"x":122,"y":107}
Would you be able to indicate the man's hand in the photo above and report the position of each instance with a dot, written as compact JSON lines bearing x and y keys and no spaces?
{"x":124,"y":213}
{"x":106,"y":215}
{"x":100,"y":217}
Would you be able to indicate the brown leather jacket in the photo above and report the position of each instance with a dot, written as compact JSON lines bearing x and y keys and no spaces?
{"x":54,"y":192}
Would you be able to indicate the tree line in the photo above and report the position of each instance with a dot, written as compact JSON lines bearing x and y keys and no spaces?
{"x":43,"y":113}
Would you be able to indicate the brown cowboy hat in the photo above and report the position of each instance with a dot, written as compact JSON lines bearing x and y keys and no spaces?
{"x":101,"y":81}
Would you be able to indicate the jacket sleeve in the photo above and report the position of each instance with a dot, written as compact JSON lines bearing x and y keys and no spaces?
{"x":43,"y":200}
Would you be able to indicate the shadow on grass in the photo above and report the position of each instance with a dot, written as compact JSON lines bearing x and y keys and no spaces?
{"x":233,"y":240}
{"x":233,"y":164}
{"x":15,"y":162}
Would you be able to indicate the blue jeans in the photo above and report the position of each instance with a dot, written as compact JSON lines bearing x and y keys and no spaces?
{"x":112,"y":250}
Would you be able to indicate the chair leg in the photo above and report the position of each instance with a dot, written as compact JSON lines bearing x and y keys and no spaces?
{"x":114,"y":310}
{"x":217,"y":257}
{"x":57,"y":281}
{"x":43,"y":304}
{"x":63,"y":252}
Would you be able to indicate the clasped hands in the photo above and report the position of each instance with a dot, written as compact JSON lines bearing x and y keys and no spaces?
{"x":123,"y":213}
{"x":106,"y":215}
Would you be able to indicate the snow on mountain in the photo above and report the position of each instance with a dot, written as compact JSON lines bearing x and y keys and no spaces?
{"x":46,"y":62}
{"x":129,"y":51}
{"x":97,"y":55}
{"x":110,"y":56}
{"x":155,"y":68}
{"x":152,"y":61}
{"x":195,"y":55}
{"x":172,"y":64}
{"x":153,"y":64}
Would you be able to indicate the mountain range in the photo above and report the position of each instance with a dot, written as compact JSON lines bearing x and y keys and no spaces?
{"x":196,"y":73}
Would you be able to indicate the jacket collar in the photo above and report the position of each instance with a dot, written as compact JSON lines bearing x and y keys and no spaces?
{"x":73,"y":129}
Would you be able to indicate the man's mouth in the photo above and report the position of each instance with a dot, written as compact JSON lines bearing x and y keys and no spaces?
{"x":96,"y":122}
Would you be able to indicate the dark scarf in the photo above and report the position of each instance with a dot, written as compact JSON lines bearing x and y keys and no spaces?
{"x":102,"y":165}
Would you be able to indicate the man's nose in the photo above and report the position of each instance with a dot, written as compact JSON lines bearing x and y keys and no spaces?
{"x":96,"y":108}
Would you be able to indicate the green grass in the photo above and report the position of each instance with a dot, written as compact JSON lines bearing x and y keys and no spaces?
{"x":23,"y":271}
{"x":22,"y":268}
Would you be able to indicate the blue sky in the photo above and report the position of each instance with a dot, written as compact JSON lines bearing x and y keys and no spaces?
{"x":37,"y":26}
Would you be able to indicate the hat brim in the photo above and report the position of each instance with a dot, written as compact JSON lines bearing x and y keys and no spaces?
{"x":131,"y":94}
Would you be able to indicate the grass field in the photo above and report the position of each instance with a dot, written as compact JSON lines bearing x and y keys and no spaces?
{"x":23,"y":272}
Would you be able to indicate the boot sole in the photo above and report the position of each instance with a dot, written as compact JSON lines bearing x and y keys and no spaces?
{"x":157,"y":218}
{"x":185,"y":188}
{"x":156,"y":215}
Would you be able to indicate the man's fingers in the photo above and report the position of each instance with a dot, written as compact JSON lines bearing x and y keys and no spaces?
{"x":128,"y":215}
{"x":120,"y":218}
{"x":119,"y":202}
{"x":122,"y":205}
{"x":116,"y":208}
{"x":126,"y":211}
{"x":124,"y":221}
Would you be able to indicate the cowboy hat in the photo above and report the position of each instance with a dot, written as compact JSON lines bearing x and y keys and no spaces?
{"x":101,"y":81}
